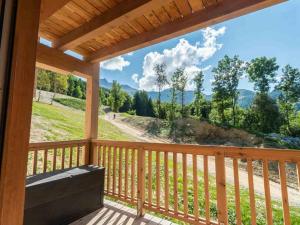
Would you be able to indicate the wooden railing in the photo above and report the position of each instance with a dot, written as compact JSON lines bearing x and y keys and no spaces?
{"x":176,"y":180}
{"x":51,"y":156}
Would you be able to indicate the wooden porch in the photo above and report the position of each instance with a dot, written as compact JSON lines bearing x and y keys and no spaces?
{"x":160,"y":178}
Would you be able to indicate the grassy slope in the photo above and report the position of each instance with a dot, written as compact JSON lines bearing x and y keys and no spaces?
{"x":61,"y":123}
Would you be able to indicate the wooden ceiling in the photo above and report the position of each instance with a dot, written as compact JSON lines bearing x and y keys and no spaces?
{"x":102,"y":29}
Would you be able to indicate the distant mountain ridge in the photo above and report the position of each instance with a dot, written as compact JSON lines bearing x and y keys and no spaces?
{"x":245,"y":97}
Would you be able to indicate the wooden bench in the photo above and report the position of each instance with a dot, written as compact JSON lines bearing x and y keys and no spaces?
{"x":61,"y":197}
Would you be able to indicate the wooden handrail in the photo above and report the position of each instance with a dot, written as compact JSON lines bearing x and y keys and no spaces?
{"x":160,"y":177}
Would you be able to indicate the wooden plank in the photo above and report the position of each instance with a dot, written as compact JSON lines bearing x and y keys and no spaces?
{"x":56,"y":61}
{"x":120,"y":170}
{"x":221,"y":189}
{"x":166,"y":178}
{"x":126,"y":178}
{"x":206,"y":189}
{"x":158,"y":180}
{"x":237,"y":192}
{"x":35,"y":157}
{"x":298,"y":172}
{"x":114,"y":175}
{"x":184,"y":178}
{"x":225,"y":10}
{"x":141,"y":183}
{"x":284,"y":194}
{"x":92,"y":104}
{"x":63,"y":156}
{"x":49,"y":7}
{"x":251,"y":191}
{"x":15,"y":134}
{"x":45,"y":160}
{"x":54,"y":159}
{"x":108,"y":167}
{"x":104,"y":157}
{"x":195,"y":187}
{"x":150,"y":177}
{"x":267,"y":192}
{"x":175,"y":177}
{"x":124,"y":11}
{"x":71,"y":157}
{"x":132,"y":173}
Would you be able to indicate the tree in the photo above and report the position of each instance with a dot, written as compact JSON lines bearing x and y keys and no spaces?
{"x":77,"y":93}
{"x":180,"y":79}
{"x":142,"y":104}
{"x":161,"y":81}
{"x":71,"y":85}
{"x":198,"y":80}
{"x":263,"y":115}
{"x":43,"y":81}
{"x":289,"y":87}
{"x":127,"y":104}
{"x":226,"y":80}
{"x":116,"y":97}
{"x":262,"y":72}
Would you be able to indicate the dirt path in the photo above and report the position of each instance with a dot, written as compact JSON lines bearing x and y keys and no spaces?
{"x":138,"y":134}
{"x":275,"y":188}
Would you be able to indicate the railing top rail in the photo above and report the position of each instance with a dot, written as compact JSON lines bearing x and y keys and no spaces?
{"x":210,"y":150}
{"x":57,"y":144}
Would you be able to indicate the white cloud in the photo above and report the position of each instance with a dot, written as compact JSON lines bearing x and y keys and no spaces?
{"x":183,"y":55}
{"x":135,"y":77}
{"x":130,"y":53}
{"x":117,"y":63}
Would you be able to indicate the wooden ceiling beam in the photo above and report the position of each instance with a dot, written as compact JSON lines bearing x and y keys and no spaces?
{"x":49,"y":7}
{"x":224,"y":10}
{"x":122,"y":12}
{"x":57,"y":61}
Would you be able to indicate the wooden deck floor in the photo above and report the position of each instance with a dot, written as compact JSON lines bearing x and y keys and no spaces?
{"x":117,"y":214}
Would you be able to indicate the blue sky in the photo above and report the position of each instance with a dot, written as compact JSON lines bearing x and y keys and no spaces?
{"x":272,"y":32}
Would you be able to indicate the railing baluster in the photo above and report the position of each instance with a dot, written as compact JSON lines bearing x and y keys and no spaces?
{"x":54,"y":159}
{"x":120,"y":171}
{"x":141,"y":182}
{"x":100,"y":149}
{"x":126,"y":173}
{"x":267,"y":192}
{"x":104,"y":156}
{"x":71,"y":157}
{"x":114,"y":169}
{"x":195,"y":187}
{"x":206,"y":189}
{"x":63,"y":157}
{"x":185,"y":193}
{"x":78,"y":155}
{"x":237,"y":192}
{"x":284,"y":193}
{"x":45,"y":160}
{"x":298,"y":171}
{"x":35,"y":161}
{"x":158,"y":179}
{"x":175,"y":174}
{"x":150,"y":177}
{"x":166,"y":176}
{"x":108,"y":167}
{"x":132,"y":173}
{"x":221,"y":188}
{"x":251,"y":191}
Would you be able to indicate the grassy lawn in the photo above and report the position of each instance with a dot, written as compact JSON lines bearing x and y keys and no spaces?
{"x":54,"y":123}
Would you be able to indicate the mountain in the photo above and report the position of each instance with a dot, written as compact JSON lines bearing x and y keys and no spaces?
{"x":245,"y":97}
{"x":106,"y":84}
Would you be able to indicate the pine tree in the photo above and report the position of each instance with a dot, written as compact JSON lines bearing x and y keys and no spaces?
{"x":198,"y":80}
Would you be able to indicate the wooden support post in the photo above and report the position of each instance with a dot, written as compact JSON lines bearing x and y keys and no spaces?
{"x":91,"y":113}
{"x":141,"y":183}
{"x":20,"y":68}
{"x":221,"y":189}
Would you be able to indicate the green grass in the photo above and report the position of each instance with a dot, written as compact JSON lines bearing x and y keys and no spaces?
{"x":75,"y":103}
{"x":61,"y":123}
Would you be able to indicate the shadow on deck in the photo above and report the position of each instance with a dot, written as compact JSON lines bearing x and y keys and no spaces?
{"x":116,"y":214}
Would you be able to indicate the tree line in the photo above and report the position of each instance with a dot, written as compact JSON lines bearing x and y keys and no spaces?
{"x":265,"y":115}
